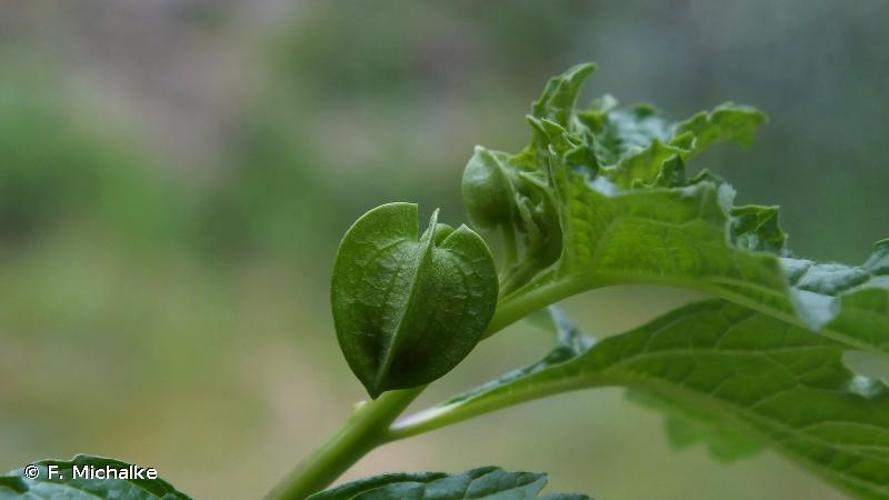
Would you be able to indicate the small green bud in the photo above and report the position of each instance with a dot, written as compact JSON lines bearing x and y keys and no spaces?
{"x":487,"y":193}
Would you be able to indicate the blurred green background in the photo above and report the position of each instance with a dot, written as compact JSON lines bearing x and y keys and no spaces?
{"x":175,"y":176}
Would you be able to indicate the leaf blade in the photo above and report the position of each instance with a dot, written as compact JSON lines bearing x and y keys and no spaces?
{"x":17,"y":485}
{"x":492,"y":483}
{"x":777,"y":383}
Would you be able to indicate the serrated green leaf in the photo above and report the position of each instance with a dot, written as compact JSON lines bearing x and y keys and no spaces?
{"x":608,"y":202}
{"x":687,"y":426}
{"x":777,"y":383}
{"x":727,"y":121}
{"x":560,"y":94}
{"x":409,"y":307}
{"x":56,"y":479}
{"x":490,"y":483}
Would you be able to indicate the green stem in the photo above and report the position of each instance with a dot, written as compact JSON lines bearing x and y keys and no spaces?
{"x":361,"y":433}
{"x":515,"y":307}
{"x":445,"y":414}
{"x":368,"y":427}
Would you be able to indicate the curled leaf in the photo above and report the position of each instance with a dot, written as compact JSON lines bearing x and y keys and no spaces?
{"x":409,"y":307}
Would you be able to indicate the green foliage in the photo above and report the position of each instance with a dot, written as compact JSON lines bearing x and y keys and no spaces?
{"x":688,"y":426}
{"x":491,"y":483}
{"x":731,"y":370}
{"x":602,"y":198}
{"x":57,"y":169}
{"x":55,"y":479}
{"x":409,"y":307}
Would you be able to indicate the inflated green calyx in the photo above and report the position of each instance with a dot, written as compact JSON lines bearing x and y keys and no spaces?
{"x":408,"y":307}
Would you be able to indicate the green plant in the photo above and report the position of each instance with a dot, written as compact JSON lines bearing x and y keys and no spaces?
{"x":789,"y":353}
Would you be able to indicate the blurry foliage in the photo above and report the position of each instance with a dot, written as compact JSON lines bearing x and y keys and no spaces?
{"x":267,"y":197}
{"x":56,"y":170}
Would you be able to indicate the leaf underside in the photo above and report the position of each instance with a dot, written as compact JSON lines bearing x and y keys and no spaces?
{"x":739,"y":377}
{"x":491,"y":483}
